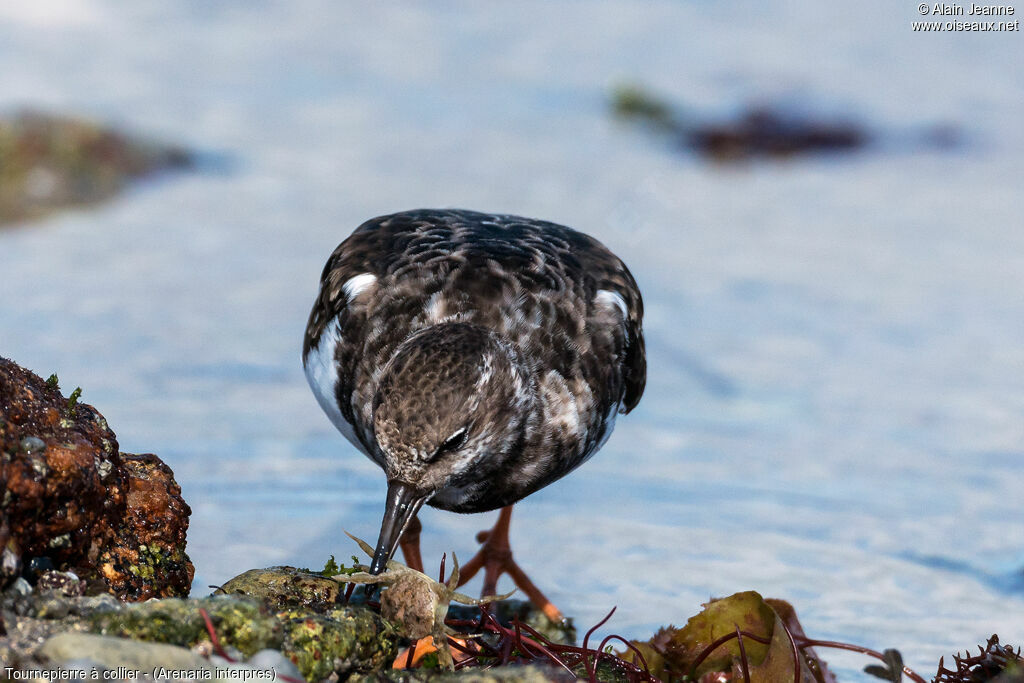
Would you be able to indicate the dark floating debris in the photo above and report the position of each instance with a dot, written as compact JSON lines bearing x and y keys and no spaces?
{"x":758,"y":131}
{"x":50,"y":162}
{"x":765,"y":132}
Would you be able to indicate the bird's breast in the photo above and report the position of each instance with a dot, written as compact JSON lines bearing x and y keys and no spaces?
{"x":322,"y":375}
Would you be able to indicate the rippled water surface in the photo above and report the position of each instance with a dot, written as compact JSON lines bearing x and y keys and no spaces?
{"x":835,"y":410}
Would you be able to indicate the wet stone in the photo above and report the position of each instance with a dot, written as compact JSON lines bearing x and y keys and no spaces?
{"x":38,"y":566}
{"x":111,"y":653}
{"x":32,"y":444}
{"x":10,"y":563}
{"x":67,"y":584}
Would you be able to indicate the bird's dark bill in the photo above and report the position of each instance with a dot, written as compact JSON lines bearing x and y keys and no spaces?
{"x":402,"y":505}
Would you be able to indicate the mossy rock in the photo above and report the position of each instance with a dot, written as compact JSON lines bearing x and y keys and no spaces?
{"x":284,"y":588}
{"x":241,"y":622}
{"x":343,"y":641}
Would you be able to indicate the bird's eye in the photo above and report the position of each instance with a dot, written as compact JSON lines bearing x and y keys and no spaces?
{"x":454,"y":442}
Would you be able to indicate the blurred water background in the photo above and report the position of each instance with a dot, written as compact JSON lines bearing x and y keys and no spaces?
{"x":835,"y":408}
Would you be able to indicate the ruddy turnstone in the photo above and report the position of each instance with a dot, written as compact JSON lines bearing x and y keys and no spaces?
{"x":476,"y":358}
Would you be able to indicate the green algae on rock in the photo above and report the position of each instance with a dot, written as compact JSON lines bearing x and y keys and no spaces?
{"x":337,"y":642}
{"x":244,"y":623}
{"x":343,"y":641}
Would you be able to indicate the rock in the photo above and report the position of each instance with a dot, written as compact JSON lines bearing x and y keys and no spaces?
{"x":60,"y":473}
{"x":146,"y":557}
{"x":501,"y":674}
{"x":339,"y":641}
{"x":111,"y":653}
{"x":116,"y":658}
{"x":334,"y":639}
{"x":239,"y":622}
{"x":284,"y":588}
{"x":21,"y":587}
{"x":273,"y":660}
{"x":25,"y":631}
{"x":66,"y":584}
{"x":52,"y":162}
{"x":508,"y":674}
{"x":70,"y":500}
{"x":21,"y":601}
{"x":344,"y":641}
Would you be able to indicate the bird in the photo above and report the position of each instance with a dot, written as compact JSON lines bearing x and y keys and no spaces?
{"x":476,"y":358}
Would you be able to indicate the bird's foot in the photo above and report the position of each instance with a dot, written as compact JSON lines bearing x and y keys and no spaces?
{"x":495,"y":558}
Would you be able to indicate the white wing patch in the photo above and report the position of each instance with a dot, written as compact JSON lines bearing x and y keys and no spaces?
{"x":356,"y":285}
{"x":435,"y":308}
{"x":608,"y":298}
{"x":322,"y":375}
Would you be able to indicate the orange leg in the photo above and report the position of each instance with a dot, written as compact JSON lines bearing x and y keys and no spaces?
{"x":410,"y":544}
{"x":495,"y":557}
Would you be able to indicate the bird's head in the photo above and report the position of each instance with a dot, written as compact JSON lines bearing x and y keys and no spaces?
{"x":451,"y":407}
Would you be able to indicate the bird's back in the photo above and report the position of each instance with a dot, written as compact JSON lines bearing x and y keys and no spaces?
{"x":567,"y":303}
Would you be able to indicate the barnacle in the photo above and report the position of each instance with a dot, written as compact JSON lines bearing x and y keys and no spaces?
{"x":416,"y":601}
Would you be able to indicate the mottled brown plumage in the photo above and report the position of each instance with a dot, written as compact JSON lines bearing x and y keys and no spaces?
{"x":475,"y":357}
